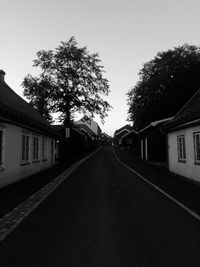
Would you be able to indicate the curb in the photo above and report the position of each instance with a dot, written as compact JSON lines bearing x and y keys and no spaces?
{"x":178,"y":203}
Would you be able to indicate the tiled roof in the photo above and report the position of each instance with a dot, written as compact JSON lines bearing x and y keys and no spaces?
{"x":188,"y":114}
{"x":16,"y":110}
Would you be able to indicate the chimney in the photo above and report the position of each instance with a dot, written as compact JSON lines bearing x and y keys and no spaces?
{"x":2,"y":74}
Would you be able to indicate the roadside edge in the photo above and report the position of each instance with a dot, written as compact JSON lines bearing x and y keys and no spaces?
{"x":13,"y":218}
{"x":188,"y":210}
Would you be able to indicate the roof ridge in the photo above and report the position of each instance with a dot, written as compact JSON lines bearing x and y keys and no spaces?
{"x":187,"y":103}
{"x":18,"y":110}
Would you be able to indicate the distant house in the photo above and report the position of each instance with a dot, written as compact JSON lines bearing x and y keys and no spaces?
{"x":85,"y":129}
{"x":95,"y":130}
{"x":120,"y":133}
{"x":90,"y":126}
{"x":83,"y":136}
{"x":73,"y":145}
{"x":152,"y":142}
{"x":183,"y":139}
{"x":130,"y":139}
{"x":27,"y":141}
{"x":106,"y":139}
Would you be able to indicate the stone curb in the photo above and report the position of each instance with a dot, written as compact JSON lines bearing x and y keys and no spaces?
{"x":13,"y":218}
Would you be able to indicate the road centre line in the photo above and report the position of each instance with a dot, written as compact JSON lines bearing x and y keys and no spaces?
{"x":188,"y":210}
{"x":13,"y":218}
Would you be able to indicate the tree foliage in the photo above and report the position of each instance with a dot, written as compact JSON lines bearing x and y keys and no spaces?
{"x":165,"y":85}
{"x":71,"y":80}
{"x":38,"y":92}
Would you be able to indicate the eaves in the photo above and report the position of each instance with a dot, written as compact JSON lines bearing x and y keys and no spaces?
{"x":184,"y":125}
{"x":30,"y":128}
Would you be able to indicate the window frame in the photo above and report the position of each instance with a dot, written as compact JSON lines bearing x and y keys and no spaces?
{"x":181,"y":148}
{"x":196,"y":160}
{"x":35,"y":148}
{"x":2,"y":149}
{"x":44,"y":148}
{"x":25,"y":148}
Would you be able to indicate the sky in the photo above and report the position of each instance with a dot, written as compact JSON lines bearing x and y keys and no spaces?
{"x":125,"y":33}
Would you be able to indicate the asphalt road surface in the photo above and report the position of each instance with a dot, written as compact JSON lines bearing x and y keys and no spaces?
{"x":105,"y":216}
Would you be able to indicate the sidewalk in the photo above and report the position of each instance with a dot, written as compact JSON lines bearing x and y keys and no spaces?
{"x":182,"y":190}
{"x":15,"y":194}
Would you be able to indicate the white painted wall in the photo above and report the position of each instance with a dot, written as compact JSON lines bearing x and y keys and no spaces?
{"x":188,"y":169}
{"x":12,"y":169}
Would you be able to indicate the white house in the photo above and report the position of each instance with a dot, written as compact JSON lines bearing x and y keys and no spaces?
{"x":27,"y":141}
{"x":92,"y":125}
{"x":183,"y":137}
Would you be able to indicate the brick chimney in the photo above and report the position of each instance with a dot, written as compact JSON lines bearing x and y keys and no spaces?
{"x":2,"y":75}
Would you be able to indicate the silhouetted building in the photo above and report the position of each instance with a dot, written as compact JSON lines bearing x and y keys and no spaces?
{"x":120,"y":133}
{"x":152,"y":142}
{"x":130,"y":139}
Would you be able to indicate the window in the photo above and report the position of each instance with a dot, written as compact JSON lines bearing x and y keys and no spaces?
{"x":67,"y":132}
{"x":1,"y":147}
{"x":56,"y":150}
{"x":181,"y":148}
{"x":35,"y":148}
{"x":146,"y":149}
{"x":25,"y":148}
{"x":142,"y":149}
{"x":44,"y":148}
{"x":197,"y":147}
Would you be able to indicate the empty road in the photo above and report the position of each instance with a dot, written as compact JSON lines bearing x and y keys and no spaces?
{"x":104,"y":216}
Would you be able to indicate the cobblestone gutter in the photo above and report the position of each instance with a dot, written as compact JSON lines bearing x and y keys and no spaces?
{"x":13,"y":218}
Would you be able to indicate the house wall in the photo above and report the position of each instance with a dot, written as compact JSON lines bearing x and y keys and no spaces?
{"x":188,"y":168}
{"x":13,"y":169}
{"x":93,"y":125}
{"x":118,"y":136}
{"x":72,"y":147}
{"x":130,"y":140}
{"x":153,"y":145}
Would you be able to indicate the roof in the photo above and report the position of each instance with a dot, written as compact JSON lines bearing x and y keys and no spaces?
{"x":16,"y":110}
{"x":127,"y":127}
{"x":131,"y":132}
{"x":57,"y":127}
{"x":156,"y":123}
{"x":187,"y":115}
{"x":61,"y":129}
{"x":106,"y":135}
{"x":93,"y":125}
{"x":78,"y":130}
{"x":85,"y":128}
